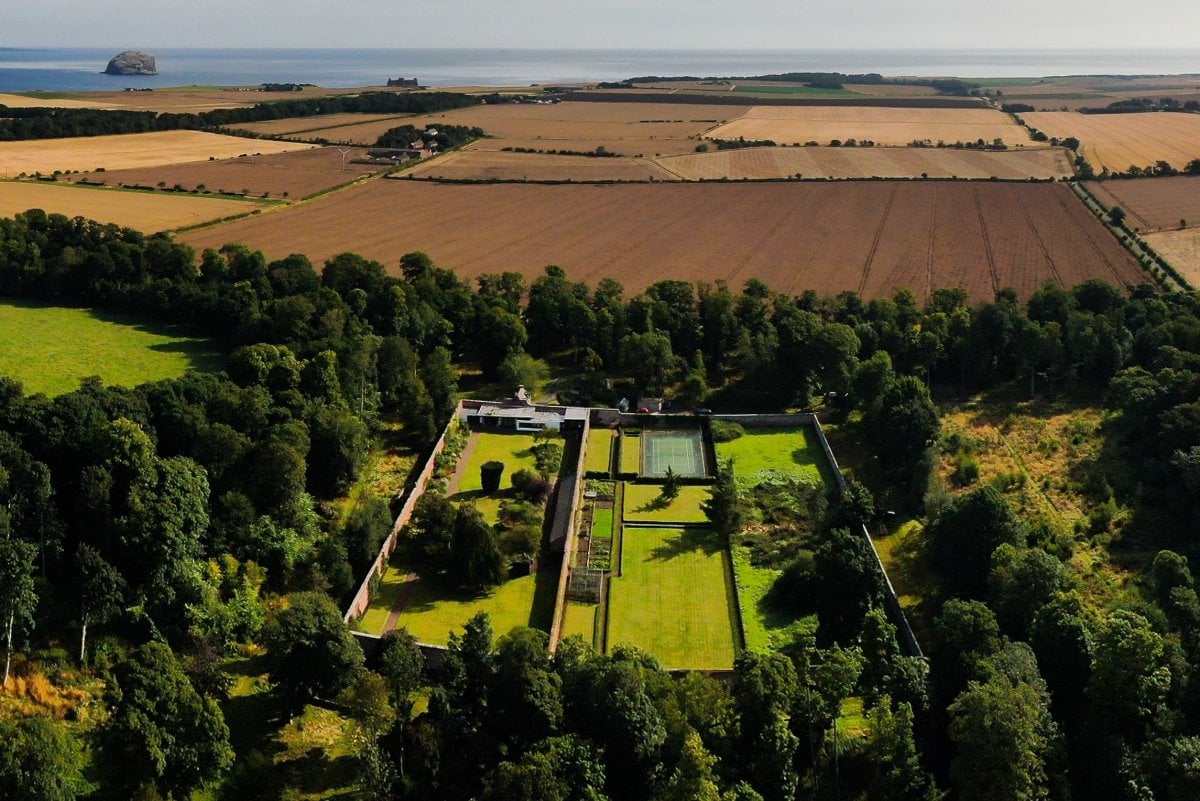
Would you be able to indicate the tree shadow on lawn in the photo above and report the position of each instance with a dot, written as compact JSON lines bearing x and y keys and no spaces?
{"x":688,"y":541}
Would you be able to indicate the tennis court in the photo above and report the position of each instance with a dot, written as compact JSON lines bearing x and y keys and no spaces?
{"x":681,"y":450}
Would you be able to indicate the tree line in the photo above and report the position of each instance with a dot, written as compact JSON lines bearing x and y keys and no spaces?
{"x":53,"y":123}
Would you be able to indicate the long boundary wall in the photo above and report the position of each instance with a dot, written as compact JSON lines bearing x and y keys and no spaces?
{"x":891,"y":600}
{"x":568,"y":504}
{"x":362,"y":599}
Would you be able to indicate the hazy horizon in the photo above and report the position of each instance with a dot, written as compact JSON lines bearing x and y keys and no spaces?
{"x":617,"y":24}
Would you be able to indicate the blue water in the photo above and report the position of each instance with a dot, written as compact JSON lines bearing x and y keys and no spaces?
{"x":78,"y":69}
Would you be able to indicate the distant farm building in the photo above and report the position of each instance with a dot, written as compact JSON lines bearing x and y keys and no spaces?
{"x":403,"y":83}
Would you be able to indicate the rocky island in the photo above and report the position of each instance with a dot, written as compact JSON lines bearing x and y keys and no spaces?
{"x":131,"y":62}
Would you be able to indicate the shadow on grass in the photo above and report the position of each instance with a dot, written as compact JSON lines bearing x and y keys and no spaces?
{"x":315,"y":772}
{"x":545,"y":591}
{"x":688,"y":541}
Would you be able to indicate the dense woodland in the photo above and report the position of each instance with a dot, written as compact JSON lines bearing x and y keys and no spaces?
{"x":152,"y":533}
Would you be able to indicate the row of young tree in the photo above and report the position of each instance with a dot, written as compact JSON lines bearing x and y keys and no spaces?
{"x":177,"y":515}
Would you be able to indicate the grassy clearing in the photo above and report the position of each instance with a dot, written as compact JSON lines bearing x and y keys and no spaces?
{"x":312,"y":756}
{"x":631,"y":452}
{"x":902,"y":552}
{"x":600,"y":447}
{"x":644,"y":503}
{"x":602,"y":522}
{"x":766,"y":628}
{"x":383,"y":600}
{"x":791,"y":451}
{"x":672,"y":598}
{"x":50,"y":348}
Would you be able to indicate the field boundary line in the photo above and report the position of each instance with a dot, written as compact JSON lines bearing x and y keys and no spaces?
{"x":987,"y":242}
{"x":932,"y":245}
{"x":887,"y":211}
{"x":1037,"y":237}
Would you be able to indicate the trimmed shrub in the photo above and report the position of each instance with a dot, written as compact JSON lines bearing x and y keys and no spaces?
{"x":489,"y":476}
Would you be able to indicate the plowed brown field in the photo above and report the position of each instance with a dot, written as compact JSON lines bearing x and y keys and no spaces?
{"x":1118,"y":141}
{"x":561,"y":126}
{"x":1153,"y":203}
{"x":869,"y":162}
{"x":886,"y":126}
{"x":493,"y":165}
{"x":294,"y":175}
{"x":874,"y":237}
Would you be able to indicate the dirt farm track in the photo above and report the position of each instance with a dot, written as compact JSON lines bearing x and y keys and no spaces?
{"x":874,"y":237}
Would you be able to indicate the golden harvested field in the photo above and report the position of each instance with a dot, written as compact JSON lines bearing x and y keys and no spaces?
{"x":868,"y":162}
{"x":1182,"y":249}
{"x":21,"y":101}
{"x":298,"y":125}
{"x":293,"y":175}
{"x":495,"y":165}
{"x":874,"y":237}
{"x":144,"y":211}
{"x":1153,"y":203}
{"x":1117,"y":141}
{"x":184,"y":99}
{"x":886,"y":126}
{"x":129,"y":150}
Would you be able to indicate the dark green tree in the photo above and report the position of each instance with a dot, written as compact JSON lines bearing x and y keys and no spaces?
{"x":161,"y":732}
{"x":475,"y":551}
{"x":1001,"y":747}
{"x":310,"y":651}
{"x":724,"y":506}
{"x":964,"y":536}
{"x":849,"y":583}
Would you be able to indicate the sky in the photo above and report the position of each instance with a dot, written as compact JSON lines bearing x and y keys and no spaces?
{"x":648,"y":24}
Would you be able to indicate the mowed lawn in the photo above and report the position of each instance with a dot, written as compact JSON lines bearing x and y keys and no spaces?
{"x":644,"y":503}
{"x":673,"y":598}
{"x":791,"y":451}
{"x":599,"y":453}
{"x":514,"y":450}
{"x":631,"y":452}
{"x":431,"y":610}
{"x":50,"y":348}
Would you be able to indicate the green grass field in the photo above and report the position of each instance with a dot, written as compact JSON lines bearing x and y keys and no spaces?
{"x":50,"y":348}
{"x":644,"y":504}
{"x":431,"y":611}
{"x":580,"y":619}
{"x":792,"y":451}
{"x":602,"y":522}
{"x":673,"y":598}
{"x":599,"y":453}
{"x":631,"y":452}
{"x":766,"y":628}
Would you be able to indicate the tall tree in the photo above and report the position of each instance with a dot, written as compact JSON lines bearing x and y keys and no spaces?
{"x":724,"y":505}
{"x":17,"y":596}
{"x":475,"y":549}
{"x":101,"y":589}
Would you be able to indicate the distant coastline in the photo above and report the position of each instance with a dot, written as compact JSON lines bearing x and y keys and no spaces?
{"x":76,"y":69}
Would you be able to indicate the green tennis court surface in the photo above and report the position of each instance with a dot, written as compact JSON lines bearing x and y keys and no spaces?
{"x":682,"y":451}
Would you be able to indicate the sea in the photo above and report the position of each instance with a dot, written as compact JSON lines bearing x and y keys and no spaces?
{"x":80,"y":69}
